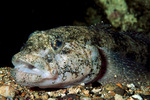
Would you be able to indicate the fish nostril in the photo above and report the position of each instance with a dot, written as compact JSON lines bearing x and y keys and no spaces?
{"x":31,"y":66}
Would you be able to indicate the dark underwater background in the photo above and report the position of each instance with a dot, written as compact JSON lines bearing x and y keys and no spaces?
{"x":19,"y":19}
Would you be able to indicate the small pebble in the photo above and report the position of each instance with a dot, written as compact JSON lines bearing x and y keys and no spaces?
{"x":119,"y":91}
{"x":138,"y":97}
{"x":7,"y":91}
{"x":131,"y":86}
{"x":52,"y":99}
{"x":118,"y":97}
{"x":3,"y":98}
{"x":71,"y":97}
{"x":50,"y":93}
{"x":73,"y":90}
{"x":23,"y":94}
{"x":110,"y":86}
{"x":36,"y":95}
{"x":82,"y":84}
{"x":96,"y":90}
{"x":85,"y":98}
{"x":44,"y":97}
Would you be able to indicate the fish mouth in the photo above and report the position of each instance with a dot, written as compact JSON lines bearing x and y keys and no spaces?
{"x":31,"y":73}
{"x":29,"y":64}
{"x":23,"y":66}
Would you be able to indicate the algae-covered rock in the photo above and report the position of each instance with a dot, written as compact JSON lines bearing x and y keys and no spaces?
{"x":117,"y":13}
{"x":122,"y":14}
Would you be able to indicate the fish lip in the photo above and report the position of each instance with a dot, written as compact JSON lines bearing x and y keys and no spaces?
{"x":21,"y":65}
{"x":25,"y":67}
{"x":20,"y":61}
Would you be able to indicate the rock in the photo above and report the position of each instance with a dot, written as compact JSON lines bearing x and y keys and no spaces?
{"x":119,"y":91}
{"x":138,"y":97}
{"x":7,"y":91}
{"x":52,"y":99}
{"x":114,"y":88}
{"x":3,"y":98}
{"x":44,"y":97}
{"x":73,"y":90}
{"x":85,"y":98}
{"x":131,"y":86}
{"x":36,"y":95}
{"x":110,"y":86}
{"x":71,"y":97}
{"x":94,"y":90}
{"x":118,"y":97}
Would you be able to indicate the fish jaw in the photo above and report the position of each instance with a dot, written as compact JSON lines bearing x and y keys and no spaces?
{"x":32,"y":75}
{"x":34,"y":70}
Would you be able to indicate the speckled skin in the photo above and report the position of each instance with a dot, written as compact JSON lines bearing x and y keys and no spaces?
{"x":70,"y":55}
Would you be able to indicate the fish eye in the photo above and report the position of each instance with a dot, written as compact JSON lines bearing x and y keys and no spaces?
{"x":57,"y":44}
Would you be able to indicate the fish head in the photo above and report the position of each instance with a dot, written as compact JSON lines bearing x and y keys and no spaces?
{"x":54,"y":59}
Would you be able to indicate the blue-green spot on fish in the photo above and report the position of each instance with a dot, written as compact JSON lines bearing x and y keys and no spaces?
{"x":71,"y":55}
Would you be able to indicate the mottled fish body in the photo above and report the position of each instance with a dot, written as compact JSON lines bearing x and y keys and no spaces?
{"x":70,"y":55}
